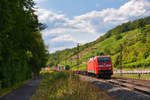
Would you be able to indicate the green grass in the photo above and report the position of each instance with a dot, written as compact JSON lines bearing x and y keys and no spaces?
{"x":143,"y":76}
{"x":136,"y":69}
{"x":66,"y":86}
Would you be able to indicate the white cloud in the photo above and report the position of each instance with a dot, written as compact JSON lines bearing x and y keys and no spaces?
{"x":95,"y":22}
{"x":66,"y":38}
{"x":47,"y":15}
{"x":63,"y":38}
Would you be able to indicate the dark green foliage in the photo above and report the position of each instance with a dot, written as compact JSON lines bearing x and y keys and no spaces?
{"x":117,"y":61}
{"x":22,"y":50}
{"x":125,"y":27}
{"x":118,"y":36}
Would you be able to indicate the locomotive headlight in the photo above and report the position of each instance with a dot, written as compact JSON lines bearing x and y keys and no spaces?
{"x":108,"y":65}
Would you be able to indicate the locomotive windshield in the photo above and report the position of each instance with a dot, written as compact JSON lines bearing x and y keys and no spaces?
{"x":103,"y":60}
{"x":100,"y":60}
{"x":106,"y":59}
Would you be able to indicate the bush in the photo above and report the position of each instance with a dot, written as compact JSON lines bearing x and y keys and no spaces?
{"x":118,"y":37}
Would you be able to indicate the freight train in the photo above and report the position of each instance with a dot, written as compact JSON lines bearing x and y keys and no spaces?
{"x":99,"y":66}
{"x":56,"y":68}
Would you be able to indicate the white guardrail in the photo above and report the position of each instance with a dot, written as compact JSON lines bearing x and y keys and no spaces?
{"x":131,"y":72}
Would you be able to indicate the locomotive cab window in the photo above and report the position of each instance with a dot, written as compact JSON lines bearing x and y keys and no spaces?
{"x":103,"y":60}
{"x":100,"y":60}
{"x":106,"y":59}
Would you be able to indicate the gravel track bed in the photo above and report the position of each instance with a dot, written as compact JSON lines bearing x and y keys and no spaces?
{"x":116,"y":91}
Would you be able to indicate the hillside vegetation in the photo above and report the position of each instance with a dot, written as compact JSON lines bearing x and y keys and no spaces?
{"x":134,"y":37}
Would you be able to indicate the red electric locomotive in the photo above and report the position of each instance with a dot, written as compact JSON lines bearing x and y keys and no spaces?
{"x":101,"y":66}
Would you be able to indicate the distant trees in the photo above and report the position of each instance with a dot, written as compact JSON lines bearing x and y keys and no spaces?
{"x":118,"y":36}
{"x":22,"y":50}
{"x":125,"y":27}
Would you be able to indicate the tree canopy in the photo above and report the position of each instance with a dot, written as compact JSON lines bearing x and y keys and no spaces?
{"x":22,"y":50}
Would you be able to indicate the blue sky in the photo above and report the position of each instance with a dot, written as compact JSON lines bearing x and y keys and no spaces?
{"x":78,"y":7}
{"x":81,"y":21}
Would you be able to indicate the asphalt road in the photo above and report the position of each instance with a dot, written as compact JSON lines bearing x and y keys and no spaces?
{"x":24,"y":92}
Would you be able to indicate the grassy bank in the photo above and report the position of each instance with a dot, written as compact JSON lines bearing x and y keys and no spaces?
{"x":66,"y":86}
{"x":142,"y":76}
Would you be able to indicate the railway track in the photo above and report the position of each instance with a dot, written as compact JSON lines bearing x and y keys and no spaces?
{"x":138,"y":85}
{"x":133,"y":84}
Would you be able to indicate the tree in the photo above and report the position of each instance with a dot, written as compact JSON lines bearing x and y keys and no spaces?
{"x":118,"y":37}
{"x":22,"y":50}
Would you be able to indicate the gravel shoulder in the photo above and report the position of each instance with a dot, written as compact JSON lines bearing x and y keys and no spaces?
{"x":116,"y":91}
{"x":24,"y":92}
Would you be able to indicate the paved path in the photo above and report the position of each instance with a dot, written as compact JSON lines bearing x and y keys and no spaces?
{"x":24,"y":92}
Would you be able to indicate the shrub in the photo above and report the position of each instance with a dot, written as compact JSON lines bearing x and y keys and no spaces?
{"x":118,"y":37}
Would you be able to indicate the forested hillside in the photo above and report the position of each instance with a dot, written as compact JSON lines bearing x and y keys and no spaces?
{"x":22,"y":50}
{"x":133,"y":37}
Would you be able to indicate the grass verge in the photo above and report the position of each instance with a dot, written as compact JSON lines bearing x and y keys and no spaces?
{"x":66,"y":86}
{"x":135,"y":76}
